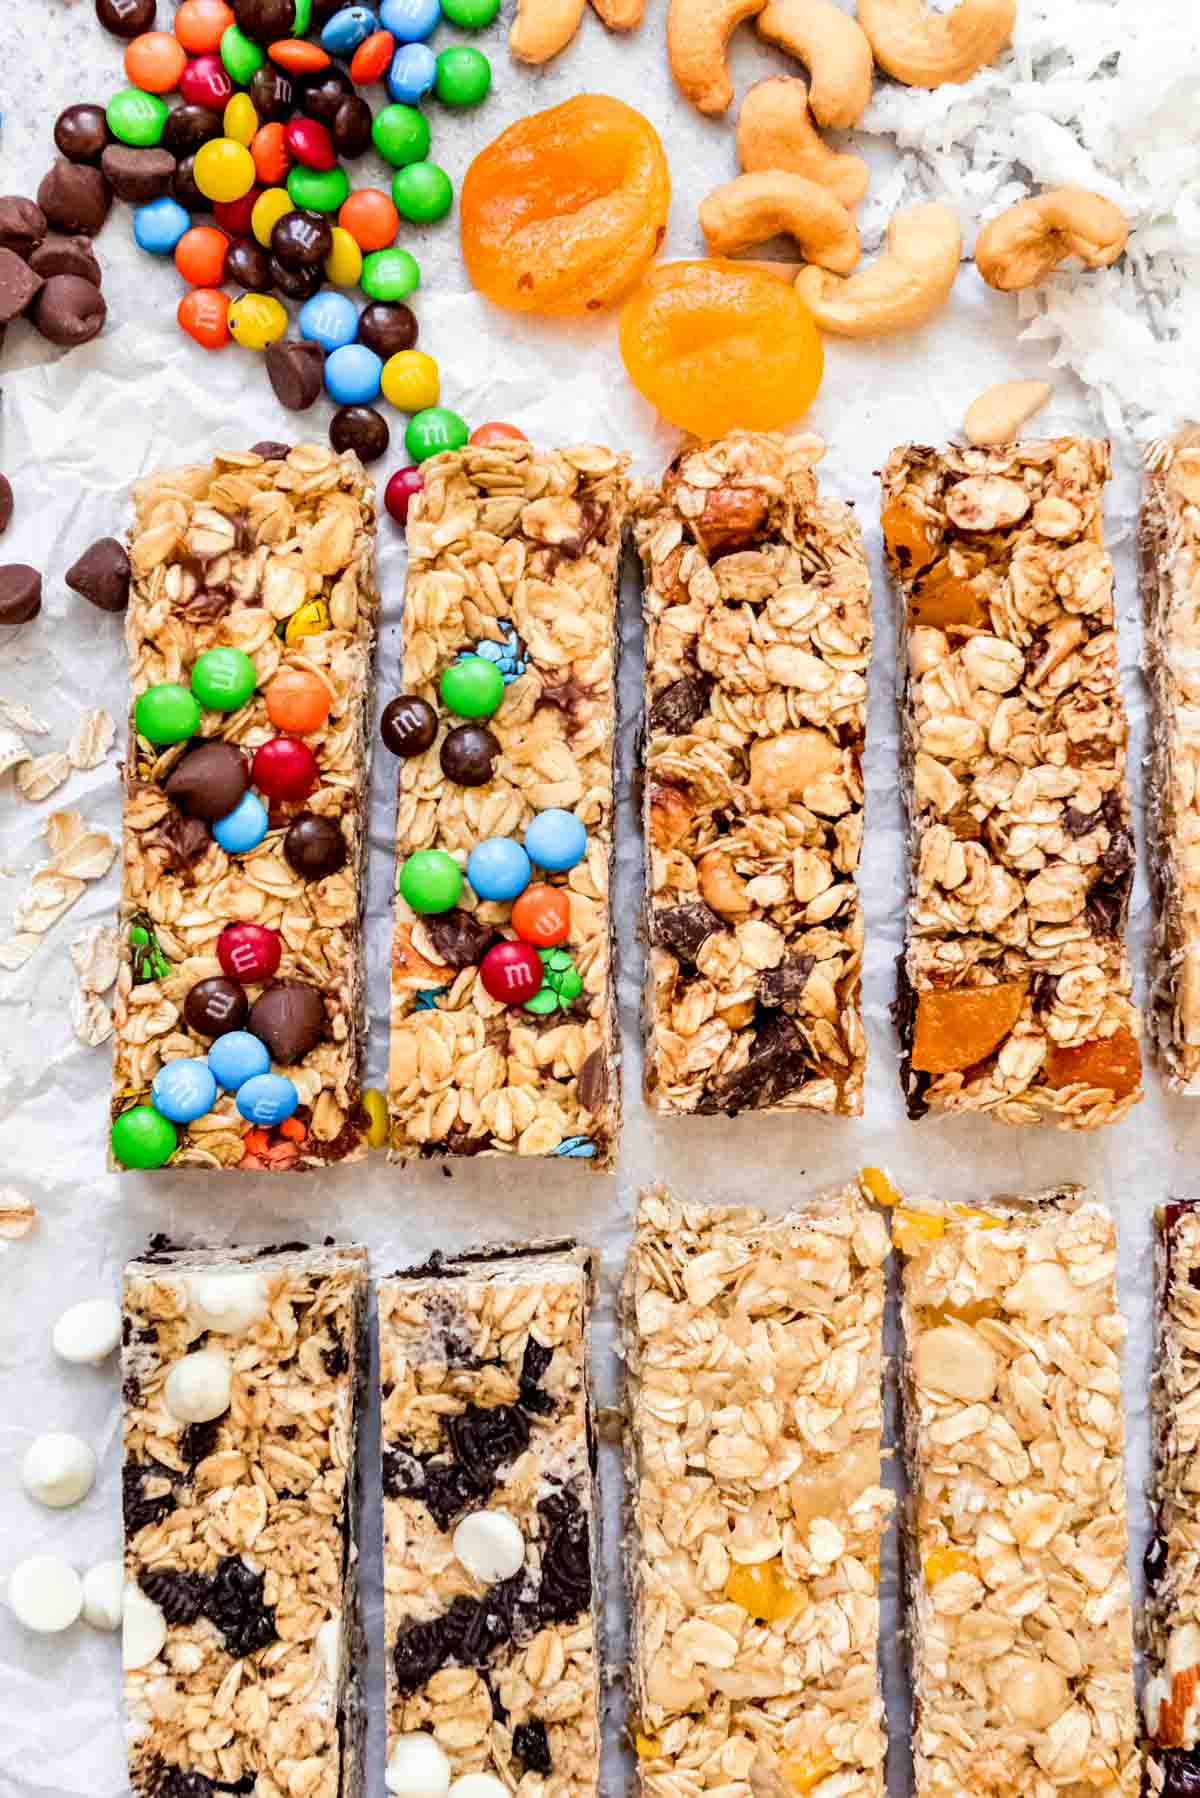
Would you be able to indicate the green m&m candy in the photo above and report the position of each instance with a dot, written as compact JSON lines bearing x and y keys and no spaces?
{"x":430,"y":881}
{"x":401,"y":134}
{"x":422,"y":192}
{"x":435,"y":429}
{"x":303,"y":17}
{"x":137,"y":118}
{"x":390,"y":274}
{"x":167,"y":714}
{"x":223,"y":679}
{"x":472,"y":687}
{"x":470,"y":15}
{"x":143,"y":1137}
{"x":241,"y":56}
{"x":463,"y":76}
{"x":317,"y":190}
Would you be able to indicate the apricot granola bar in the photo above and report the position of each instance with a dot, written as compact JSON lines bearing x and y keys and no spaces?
{"x":513,"y":561}
{"x":490,"y":1523}
{"x":758,"y":634}
{"x":754,"y":1350}
{"x":243,"y":1645}
{"x":1014,"y":993}
{"x":1020,"y":1625}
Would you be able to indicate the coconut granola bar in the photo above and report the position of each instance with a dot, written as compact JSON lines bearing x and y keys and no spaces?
{"x":243,"y":1646}
{"x":273,"y":558}
{"x":1019,"y":1623}
{"x":513,"y":558}
{"x":1170,"y":546}
{"x":490,"y":1523}
{"x":1014,"y":990}
{"x":758,"y":633}
{"x":754,"y":1357}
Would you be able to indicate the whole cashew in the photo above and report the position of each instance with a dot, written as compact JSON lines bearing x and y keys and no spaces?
{"x":998,"y":413}
{"x":1028,"y":241}
{"x":929,"y":49}
{"x":543,"y":27}
{"x":698,"y":32}
{"x":903,"y":287}
{"x":832,"y":47}
{"x":620,"y":15}
{"x":752,"y":208}
{"x":775,"y":131}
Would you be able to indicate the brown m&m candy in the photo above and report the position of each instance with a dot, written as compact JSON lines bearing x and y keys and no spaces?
{"x":266,"y":21}
{"x":58,"y":255}
{"x":137,"y":176}
{"x":6,"y":503}
{"x":209,"y":782}
{"x":216,"y":1006}
{"x":248,"y":265}
{"x":296,"y":283}
{"x":408,"y":725}
{"x":290,"y":1018}
{"x":81,"y":133}
{"x":315,"y":846}
{"x":189,"y":127}
{"x":22,"y":224}
{"x":351,"y":127}
{"x":184,"y":189}
{"x":361,"y":429}
{"x":19,"y":285}
{"x":272,"y":94}
{"x":126,"y":18}
{"x":101,"y":575}
{"x":20,"y":593}
{"x":467,"y":755}
{"x":302,"y":239}
{"x":323,"y":94}
{"x":75,"y":198}
{"x":69,"y":311}
{"x":387,"y":329}
{"x":296,"y":370}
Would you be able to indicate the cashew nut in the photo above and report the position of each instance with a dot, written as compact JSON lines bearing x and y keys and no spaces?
{"x":751,"y":208}
{"x":698,"y":32}
{"x":929,"y":49}
{"x":903,"y":287}
{"x":1028,"y":241}
{"x":543,"y":27}
{"x":999,"y":412}
{"x":775,"y":131}
{"x":620,"y":15}
{"x":833,"y":49}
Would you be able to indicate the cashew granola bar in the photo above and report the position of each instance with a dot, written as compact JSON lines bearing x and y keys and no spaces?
{"x":243,"y":1647}
{"x":513,"y":561}
{"x":758,"y":634}
{"x":1019,"y":1624}
{"x":273,"y":559}
{"x":754,"y":1353}
{"x":490,"y":1528}
{"x":1014,"y":988}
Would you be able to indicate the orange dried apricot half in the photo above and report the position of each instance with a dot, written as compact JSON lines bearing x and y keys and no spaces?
{"x":943,"y":598}
{"x":718,"y":346}
{"x":1114,"y":1062}
{"x":958,"y":1027}
{"x":911,"y":540}
{"x":563,"y":211}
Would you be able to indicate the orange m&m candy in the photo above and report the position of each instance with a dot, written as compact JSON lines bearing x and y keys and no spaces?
{"x":204,"y":315}
{"x":541,"y":915}
{"x":201,"y":24}
{"x":200,"y":256}
{"x":370,"y":218}
{"x":298,"y":56}
{"x":496,"y":432}
{"x":373,"y":58}
{"x":155,"y":61}
{"x":270,"y":152}
{"x":297,"y":701}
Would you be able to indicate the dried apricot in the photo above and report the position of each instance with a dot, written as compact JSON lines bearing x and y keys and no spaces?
{"x":761,"y":1589}
{"x":943,"y":598}
{"x":810,"y":1771}
{"x":911,"y":541}
{"x":958,"y":1027}
{"x":721,"y":345}
{"x":1112,"y":1062}
{"x":910,"y":1229}
{"x":879,"y":1185}
{"x":564,"y":210}
{"x":943,"y":1563}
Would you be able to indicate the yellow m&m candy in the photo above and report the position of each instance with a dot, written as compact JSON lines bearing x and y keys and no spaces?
{"x":255,"y":320}
{"x":269,"y":208}
{"x":241,"y":120}
{"x":343,"y":265}
{"x":223,"y":170}
{"x":410,"y":381}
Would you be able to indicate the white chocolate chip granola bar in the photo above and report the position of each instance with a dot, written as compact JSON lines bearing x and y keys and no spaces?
{"x":754,"y":1354}
{"x":1019,"y":1624}
{"x":243,"y":1647}
{"x":758,"y":634}
{"x":512,"y":583}
{"x":1014,"y":988}
{"x":491,"y":1552}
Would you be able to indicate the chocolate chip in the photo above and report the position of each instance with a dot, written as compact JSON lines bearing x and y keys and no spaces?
{"x":184,"y":189}
{"x":684,"y":928}
{"x":289,"y":1016}
{"x":19,"y":285}
{"x":387,"y":329}
{"x":185,"y":841}
{"x":6,"y":503}
{"x":75,"y":198}
{"x":314,"y":846}
{"x":138,"y":175}
{"x":69,"y":311}
{"x":351,"y":127}
{"x":101,"y":575}
{"x":209,"y":782}
{"x":126,"y":18}
{"x":531,"y":1746}
{"x":467,"y":754}
{"x":408,"y":725}
{"x":248,"y":265}
{"x":787,"y":981}
{"x":361,"y":429}
{"x":321,"y":96}
{"x":301,"y":239}
{"x":272,"y":93}
{"x":81,"y":133}
{"x":592,"y":1087}
{"x":215,"y":1006}
{"x":458,"y":938}
{"x":777,"y":1064}
{"x":681,"y":705}
{"x":296,"y":283}
{"x":270,"y":451}
{"x":57,"y":255}
{"x":266,"y":21}
{"x":20,"y":593}
{"x":189,"y":127}
{"x":296,"y":371}
{"x":175,"y":1783}
{"x":22,"y":224}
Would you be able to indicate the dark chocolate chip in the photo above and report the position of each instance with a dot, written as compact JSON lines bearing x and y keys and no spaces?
{"x":19,"y":285}
{"x":69,"y":311}
{"x":361,"y":429}
{"x":296,"y":371}
{"x":1181,"y":1772}
{"x":531,"y":1746}
{"x":189,"y":127}
{"x":777,"y":985}
{"x":386,"y":328}
{"x":184,"y":189}
{"x":778,"y":1063}
{"x":408,"y":725}
{"x":681,"y":705}
{"x":458,"y":938}
{"x":273,"y":94}
{"x":57,"y":255}
{"x":684,"y":928}
{"x":75,"y":198}
{"x":266,"y":21}
{"x":126,"y":18}
{"x":271,"y":451}
{"x":215,"y":1006}
{"x":185,"y":842}
{"x":22,"y":224}
{"x":323,"y":93}
{"x":314,"y":846}
{"x":592,"y":1087}
{"x":1154,"y":1561}
{"x":198,"y":1440}
{"x":20,"y":593}
{"x":81,"y":133}
{"x":138,"y":175}
{"x":175,"y":1783}
{"x":351,"y":127}
{"x":248,"y":265}
{"x":296,"y":283}
{"x":289,"y":1016}
{"x":301,"y":239}
{"x":6,"y":503}
{"x":467,"y":754}
{"x":101,"y":575}
{"x":209,"y":782}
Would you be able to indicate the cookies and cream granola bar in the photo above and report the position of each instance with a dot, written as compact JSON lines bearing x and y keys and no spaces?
{"x":243,"y":1647}
{"x":273,"y":558}
{"x":1014,"y":987}
{"x":490,"y":1525}
{"x":758,"y":634}
{"x":1019,"y":1623}
{"x":513,"y":557}
{"x":754,"y":1355}
{"x":1170,"y":549}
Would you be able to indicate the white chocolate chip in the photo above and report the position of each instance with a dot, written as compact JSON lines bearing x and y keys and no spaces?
{"x":46,"y":1594}
{"x":478,"y":1785}
{"x":103,"y":1595}
{"x":143,"y":1629}
{"x":197,"y":1388}
{"x":329,"y":1646}
{"x":417,"y":1768}
{"x":227,"y":1303}
{"x":58,"y":1469}
{"x":489,"y":1545}
{"x":89,"y":1331}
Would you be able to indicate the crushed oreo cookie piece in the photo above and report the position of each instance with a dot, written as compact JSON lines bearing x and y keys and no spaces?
{"x":531,"y":1746}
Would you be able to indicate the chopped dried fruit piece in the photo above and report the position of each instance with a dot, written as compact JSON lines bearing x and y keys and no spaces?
{"x":909,"y":538}
{"x":879,"y":1185}
{"x":761,"y":1589}
{"x":943,"y":598}
{"x":648,"y":1747}
{"x":807,"y":1772}
{"x":912,"y":1227}
{"x":942,"y":1563}
{"x":957,"y":1027}
{"x":1112,"y":1061}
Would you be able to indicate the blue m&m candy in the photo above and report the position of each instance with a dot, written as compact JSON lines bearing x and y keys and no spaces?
{"x":244,"y":827}
{"x":412,"y":74}
{"x":410,"y":21}
{"x":237,"y":1057}
{"x":184,"y":1091}
{"x":330,"y":319}
{"x":556,"y":839}
{"x":158,"y":227}
{"x":498,"y":868}
{"x":267,"y":1099}
{"x":348,"y":29}
{"x":352,"y":375}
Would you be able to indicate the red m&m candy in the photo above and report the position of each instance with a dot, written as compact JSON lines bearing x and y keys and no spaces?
{"x":511,"y":972}
{"x":542,"y":915}
{"x":205,"y":82}
{"x":496,"y":432}
{"x":285,"y":769}
{"x":233,"y":216}
{"x":400,"y":492}
{"x":250,"y":951}
{"x":310,"y":143}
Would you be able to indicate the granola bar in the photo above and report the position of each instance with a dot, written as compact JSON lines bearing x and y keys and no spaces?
{"x":758,"y":633}
{"x":1019,"y":1625}
{"x":1014,"y":992}
{"x":490,"y":1523}
{"x":243,"y":1642}
{"x":513,"y":556}
{"x":274,"y":558}
{"x":1170,"y":546}
{"x":754,"y":1356}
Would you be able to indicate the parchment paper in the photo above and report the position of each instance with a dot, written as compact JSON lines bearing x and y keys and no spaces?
{"x":75,"y":430}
